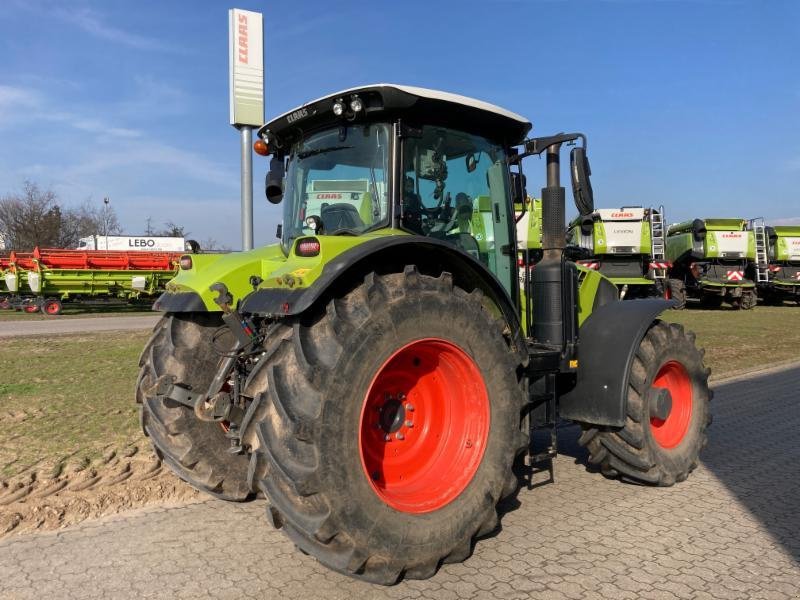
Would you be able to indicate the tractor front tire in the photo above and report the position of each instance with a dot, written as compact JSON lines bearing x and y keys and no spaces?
{"x":676,"y":290}
{"x":197,"y":451}
{"x":667,"y":412}
{"x":388,"y":426}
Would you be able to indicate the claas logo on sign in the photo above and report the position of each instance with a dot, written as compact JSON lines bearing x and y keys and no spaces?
{"x":624,"y":215}
{"x":243,"y":39}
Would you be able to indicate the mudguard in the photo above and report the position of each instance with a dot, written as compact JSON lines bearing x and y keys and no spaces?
{"x":608,"y":340}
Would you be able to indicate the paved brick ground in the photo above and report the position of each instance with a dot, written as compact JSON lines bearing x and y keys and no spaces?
{"x":731,"y":531}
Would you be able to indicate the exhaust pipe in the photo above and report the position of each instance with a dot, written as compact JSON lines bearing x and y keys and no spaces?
{"x":555,"y":281}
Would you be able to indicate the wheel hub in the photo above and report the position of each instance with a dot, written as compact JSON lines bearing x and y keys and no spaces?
{"x":660,"y":403}
{"x":392,"y":414}
{"x":670,"y":403}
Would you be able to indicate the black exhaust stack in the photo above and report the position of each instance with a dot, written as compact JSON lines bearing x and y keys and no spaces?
{"x":554,"y":279}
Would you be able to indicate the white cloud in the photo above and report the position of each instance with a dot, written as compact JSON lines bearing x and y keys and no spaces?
{"x":785,"y":221}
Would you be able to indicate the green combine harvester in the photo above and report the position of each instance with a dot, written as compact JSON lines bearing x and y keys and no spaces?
{"x":626,"y":245}
{"x":379,"y":373}
{"x":784,"y":264}
{"x":716,"y":260}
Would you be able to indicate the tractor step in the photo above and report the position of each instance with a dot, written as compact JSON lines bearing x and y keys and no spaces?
{"x":543,"y":417}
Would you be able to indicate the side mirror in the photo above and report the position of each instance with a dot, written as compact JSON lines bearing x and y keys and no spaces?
{"x":518,"y":191}
{"x":274,"y":181}
{"x":581,"y":184}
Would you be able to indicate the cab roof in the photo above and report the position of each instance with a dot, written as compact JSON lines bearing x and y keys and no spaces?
{"x":415,"y":105}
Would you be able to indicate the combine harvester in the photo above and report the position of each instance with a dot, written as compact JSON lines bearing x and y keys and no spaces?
{"x":783,"y":252}
{"x":626,"y":245}
{"x":716,"y":260}
{"x":43,"y":279}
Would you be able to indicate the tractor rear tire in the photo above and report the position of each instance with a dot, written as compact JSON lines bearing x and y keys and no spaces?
{"x":388,"y":426}
{"x":197,"y":451}
{"x":676,"y":290}
{"x":649,"y":449}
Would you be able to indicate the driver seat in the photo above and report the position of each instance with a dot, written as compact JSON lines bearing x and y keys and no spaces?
{"x":340,"y":216}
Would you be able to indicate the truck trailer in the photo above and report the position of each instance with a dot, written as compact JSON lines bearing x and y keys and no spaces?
{"x":133,"y":243}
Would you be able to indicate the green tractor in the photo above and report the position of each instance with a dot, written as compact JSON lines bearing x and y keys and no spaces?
{"x":626,"y":245}
{"x":378,"y":374}
{"x":783,"y":253}
{"x":714,"y":260}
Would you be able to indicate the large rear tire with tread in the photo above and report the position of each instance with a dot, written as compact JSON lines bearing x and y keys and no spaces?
{"x":650,"y":449}
{"x":336,"y":431}
{"x":197,"y":451}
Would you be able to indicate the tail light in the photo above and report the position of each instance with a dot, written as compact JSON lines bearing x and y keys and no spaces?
{"x":186,"y":262}
{"x":307,"y":247}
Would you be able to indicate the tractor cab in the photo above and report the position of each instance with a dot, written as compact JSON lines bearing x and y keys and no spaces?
{"x":382,"y":158}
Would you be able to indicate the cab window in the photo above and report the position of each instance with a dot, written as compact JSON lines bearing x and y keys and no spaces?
{"x":455,"y":189}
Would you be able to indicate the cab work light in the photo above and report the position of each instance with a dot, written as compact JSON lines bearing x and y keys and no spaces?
{"x":186,"y":262}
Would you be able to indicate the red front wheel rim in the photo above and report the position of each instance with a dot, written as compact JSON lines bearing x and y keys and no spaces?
{"x":671,"y":431}
{"x":424,"y":426}
{"x":51,"y":308}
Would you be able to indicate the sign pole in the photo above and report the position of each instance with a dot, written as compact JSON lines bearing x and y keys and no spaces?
{"x":247,"y":187}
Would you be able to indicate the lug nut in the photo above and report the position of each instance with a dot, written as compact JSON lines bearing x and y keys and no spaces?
{"x":410,"y":407}
{"x":409,"y":423}
{"x":400,"y":436}
{"x":401,"y":396}
{"x":387,"y":438}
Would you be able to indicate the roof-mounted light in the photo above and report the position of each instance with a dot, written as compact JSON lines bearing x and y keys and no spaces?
{"x":260,"y":147}
{"x":356,"y":105}
{"x":338,"y":107}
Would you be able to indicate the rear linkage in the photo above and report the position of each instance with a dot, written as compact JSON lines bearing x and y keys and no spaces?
{"x":223,"y":401}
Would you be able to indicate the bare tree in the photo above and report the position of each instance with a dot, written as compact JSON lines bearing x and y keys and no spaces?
{"x":34,"y":217}
{"x":148,"y":226}
{"x":30,"y":218}
{"x":211,"y":245}
{"x":173,"y":230}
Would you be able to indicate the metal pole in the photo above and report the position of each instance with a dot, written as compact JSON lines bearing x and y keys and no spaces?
{"x":247,"y":187}
{"x":105,"y":218}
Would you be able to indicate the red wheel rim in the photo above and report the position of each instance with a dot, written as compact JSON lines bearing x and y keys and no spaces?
{"x":424,"y":426}
{"x":51,"y":308}
{"x":667,"y":293}
{"x":31,"y":308}
{"x":670,"y":432}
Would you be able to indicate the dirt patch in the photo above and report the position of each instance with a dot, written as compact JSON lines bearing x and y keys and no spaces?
{"x":66,"y":494}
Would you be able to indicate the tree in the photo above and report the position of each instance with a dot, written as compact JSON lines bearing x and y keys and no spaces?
{"x":173,"y":230}
{"x":34,"y":217}
{"x":30,"y":218}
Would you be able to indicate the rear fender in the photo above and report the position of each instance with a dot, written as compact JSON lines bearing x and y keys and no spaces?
{"x":608,"y":340}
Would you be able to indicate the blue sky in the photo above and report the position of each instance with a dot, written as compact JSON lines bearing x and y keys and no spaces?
{"x":694,"y":104}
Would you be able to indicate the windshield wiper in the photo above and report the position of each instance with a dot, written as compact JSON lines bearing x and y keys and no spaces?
{"x":316,"y":151}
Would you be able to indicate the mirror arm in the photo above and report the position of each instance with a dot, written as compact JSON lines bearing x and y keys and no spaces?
{"x":535,"y":146}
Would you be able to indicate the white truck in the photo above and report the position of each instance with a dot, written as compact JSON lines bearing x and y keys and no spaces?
{"x":146,"y":243}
